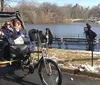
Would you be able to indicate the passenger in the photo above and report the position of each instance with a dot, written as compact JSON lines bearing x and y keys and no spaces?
{"x":10,"y":34}
{"x":18,"y":31}
{"x":12,"y":30}
{"x":7,"y":32}
{"x":7,"y":29}
{"x":49,"y":36}
{"x":17,"y":28}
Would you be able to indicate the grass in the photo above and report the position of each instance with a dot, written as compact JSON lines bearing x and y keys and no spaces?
{"x":67,"y":57}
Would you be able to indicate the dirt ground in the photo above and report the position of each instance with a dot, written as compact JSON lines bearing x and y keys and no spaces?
{"x":72,"y":57}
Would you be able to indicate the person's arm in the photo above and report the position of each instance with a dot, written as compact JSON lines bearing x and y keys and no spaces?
{"x":1,"y":33}
{"x":14,"y":34}
{"x":86,"y":34}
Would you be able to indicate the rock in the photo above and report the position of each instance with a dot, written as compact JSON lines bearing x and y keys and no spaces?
{"x":71,"y":79}
{"x":76,"y":71}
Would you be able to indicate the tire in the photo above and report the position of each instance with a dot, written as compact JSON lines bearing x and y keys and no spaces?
{"x":53,"y":74}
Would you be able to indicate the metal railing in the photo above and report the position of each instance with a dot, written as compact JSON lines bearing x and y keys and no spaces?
{"x":74,"y":43}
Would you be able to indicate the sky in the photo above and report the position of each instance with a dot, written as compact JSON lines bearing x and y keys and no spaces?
{"x":84,"y":3}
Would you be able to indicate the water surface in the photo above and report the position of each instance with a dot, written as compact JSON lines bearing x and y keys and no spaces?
{"x":66,"y":30}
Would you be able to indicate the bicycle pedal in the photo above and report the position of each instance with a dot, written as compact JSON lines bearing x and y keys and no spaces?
{"x":24,"y":68}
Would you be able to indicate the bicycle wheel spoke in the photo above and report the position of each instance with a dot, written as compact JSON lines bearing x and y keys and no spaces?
{"x":51,"y":79}
{"x":49,"y":73}
{"x":54,"y":79}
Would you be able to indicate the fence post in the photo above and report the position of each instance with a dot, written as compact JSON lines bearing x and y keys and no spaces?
{"x":78,"y":37}
{"x":92,"y":54}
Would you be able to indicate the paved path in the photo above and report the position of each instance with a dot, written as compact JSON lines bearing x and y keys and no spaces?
{"x":17,"y":78}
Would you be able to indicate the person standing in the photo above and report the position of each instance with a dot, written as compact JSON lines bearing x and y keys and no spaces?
{"x":90,"y":36}
{"x":49,"y":37}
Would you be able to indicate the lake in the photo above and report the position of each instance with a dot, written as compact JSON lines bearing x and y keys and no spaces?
{"x":74,"y":30}
{"x":66,"y":30}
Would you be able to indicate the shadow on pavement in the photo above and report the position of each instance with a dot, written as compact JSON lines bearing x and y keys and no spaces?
{"x":8,"y":74}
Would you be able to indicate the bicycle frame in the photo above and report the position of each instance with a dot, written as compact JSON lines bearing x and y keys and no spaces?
{"x":44,"y":56}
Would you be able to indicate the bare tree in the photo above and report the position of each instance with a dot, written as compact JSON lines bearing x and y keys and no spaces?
{"x":33,"y":12}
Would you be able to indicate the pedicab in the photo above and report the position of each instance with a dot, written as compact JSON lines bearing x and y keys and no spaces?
{"x":48,"y":70}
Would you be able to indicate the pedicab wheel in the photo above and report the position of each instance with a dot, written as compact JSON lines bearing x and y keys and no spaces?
{"x":50,"y":73}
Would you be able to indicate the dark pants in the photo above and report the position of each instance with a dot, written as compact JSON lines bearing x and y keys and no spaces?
{"x":6,"y":53}
{"x":90,"y":45}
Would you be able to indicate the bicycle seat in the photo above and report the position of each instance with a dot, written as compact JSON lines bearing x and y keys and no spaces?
{"x":19,"y":50}
{"x":21,"y":47}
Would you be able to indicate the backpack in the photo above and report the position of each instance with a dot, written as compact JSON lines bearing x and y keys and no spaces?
{"x":32,"y":34}
{"x":93,"y":34}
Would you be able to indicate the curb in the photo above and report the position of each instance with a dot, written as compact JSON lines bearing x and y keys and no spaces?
{"x":76,"y":71}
